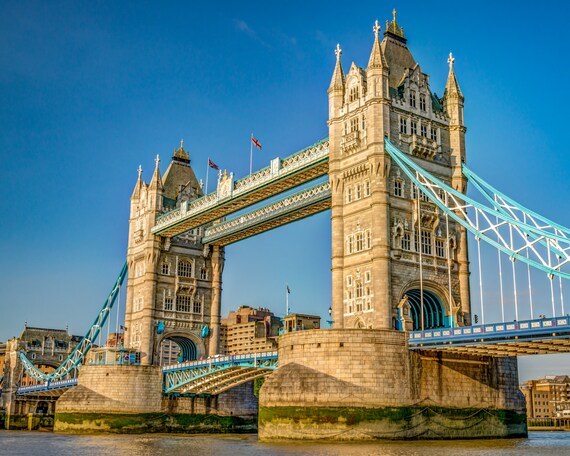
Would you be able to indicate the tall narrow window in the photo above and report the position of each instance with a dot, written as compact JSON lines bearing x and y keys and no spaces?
{"x":422,"y":102}
{"x":423,"y":130}
{"x":197,"y":307}
{"x":412,"y":99}
{"x":433,"y":133}
{"x":354,"y":124}
{"x":359,"y":242}
{"x":414,"y":128}
{"x":368,"y":239}
{"x":367,"y":188}
{"x":204,"y":273}
{"x":426,"y":242}
{"x":359,"y":289}
{"x":406,"y":241}
{"x":165,"y":268}
{"x":363,"y":122}
{"x":397,"y":188}
{"x":168,"y":303}
{"x":350,"y":244}
{"x":440,"y":248}
{"x":349,"y":194}
{"x":403,"y":125}
{"x":183,"y":303}
{"x":358,"y":191}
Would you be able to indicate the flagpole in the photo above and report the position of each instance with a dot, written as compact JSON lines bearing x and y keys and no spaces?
{"x":250,"y":153}
{"x":286,"y":299}
{"x":207,"y":170}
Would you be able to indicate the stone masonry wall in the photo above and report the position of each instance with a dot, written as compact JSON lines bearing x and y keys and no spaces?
{"x":114,"y":389}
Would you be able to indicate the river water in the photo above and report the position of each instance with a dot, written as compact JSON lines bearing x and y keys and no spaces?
{"x":16,"y":443}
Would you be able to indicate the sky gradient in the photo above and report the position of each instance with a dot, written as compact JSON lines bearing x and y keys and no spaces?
{"x":90,"y":90}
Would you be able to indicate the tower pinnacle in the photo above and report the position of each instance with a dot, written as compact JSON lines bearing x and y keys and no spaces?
{"x":452,"y":86}
{"x":337,"y":81}
{"x":377,"y":59}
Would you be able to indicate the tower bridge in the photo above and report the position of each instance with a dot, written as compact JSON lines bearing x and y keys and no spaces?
{"x":404,"y":333}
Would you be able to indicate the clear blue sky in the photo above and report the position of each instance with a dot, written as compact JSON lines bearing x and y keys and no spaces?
{"x":88,"y":90}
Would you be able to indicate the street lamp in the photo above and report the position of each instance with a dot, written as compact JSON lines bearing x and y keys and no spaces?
{"x":331,"y":321}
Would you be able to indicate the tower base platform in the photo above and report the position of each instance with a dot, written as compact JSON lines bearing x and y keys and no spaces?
{"x":358,"y":384}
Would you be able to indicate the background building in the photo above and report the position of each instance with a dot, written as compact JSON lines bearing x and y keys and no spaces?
{"x":548,"y":397}
{"x":249,"y":330}
{"x":300,"y":322}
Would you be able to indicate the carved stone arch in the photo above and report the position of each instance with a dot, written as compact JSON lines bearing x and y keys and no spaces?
{"x":178,"y":336}
{"x":359,"y":324}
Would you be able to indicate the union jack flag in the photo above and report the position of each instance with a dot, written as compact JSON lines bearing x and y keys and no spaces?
{"x":211,"y":164}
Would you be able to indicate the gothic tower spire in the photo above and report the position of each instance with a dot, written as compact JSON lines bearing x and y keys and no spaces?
{"x":377,"y":59}
{"x":452,"y":89}
{"x":337,"y":81}
{"x":138,"y":186}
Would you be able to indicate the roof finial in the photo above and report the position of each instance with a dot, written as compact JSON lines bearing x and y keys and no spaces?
{"x":182,"y":143}
{"x":394,"y":14}
{"x":451,"y":60}
{"x":139,"y":170}
{"x":376,"y":29}
{"x":157,"y":160}
{"x":338,"y":51}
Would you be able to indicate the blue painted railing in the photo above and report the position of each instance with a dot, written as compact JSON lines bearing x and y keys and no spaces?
{"x":50,"y":385}
{"x":234,"y":360}
{"x":541,"y":327}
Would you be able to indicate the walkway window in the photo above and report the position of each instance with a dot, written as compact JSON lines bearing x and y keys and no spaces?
{"x":185,"y":269}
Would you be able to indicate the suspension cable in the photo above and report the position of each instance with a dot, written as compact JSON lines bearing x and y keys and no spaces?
{"x":480,"y":273}
{"x":451,"y":317}
{"x":419,"y":244}
{"x":561,"y":295}
{"x":551,"y":278}
{"x":514,"y":275}
{"x":529,"y":281}
{"x":501,"y":277}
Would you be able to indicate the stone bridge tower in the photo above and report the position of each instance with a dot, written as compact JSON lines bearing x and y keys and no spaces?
{"x":174,"y":284}
{"x":380,"y":231}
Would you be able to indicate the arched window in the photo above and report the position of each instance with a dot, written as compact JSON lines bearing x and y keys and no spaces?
{"x":185,"y":269}
{"x":353,"y":94}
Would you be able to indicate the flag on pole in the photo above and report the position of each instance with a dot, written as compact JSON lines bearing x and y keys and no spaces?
{"x":211,"y":164}
{"x":255,"y":142}
{"x":288,"y":289}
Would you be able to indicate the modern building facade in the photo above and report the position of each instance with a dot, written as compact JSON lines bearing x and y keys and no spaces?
{"x":249,"y":330}
{"x":548,"y":397}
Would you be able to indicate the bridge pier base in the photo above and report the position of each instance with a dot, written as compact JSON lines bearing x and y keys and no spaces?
{"x":129,"y":399}
{"x":353,"y":384}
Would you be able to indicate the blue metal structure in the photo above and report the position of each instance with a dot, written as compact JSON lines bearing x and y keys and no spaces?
{"x":528,"y":337}
{"x":76,"y":357}
{"x":218,"y":374}
{"x":49,"y":387}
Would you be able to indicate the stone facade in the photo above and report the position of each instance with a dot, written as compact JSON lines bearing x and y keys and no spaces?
{"x":326,"y":376}
{"x":174,"y":284}
{"x":381,"y":226}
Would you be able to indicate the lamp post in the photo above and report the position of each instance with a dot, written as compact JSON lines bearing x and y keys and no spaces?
{"x":331,"y":321}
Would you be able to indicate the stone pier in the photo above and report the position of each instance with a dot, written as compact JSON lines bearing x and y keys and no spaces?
{"x":129,"y":399}
{"x":354,"y":384}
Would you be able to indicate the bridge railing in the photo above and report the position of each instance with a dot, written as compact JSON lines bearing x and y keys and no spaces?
{"x":225,"y":359}
{"x":490,"y":331}
{"x":47,"y":386}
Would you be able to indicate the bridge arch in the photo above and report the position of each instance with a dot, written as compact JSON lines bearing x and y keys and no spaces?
{"x":178,"y":347}
{"x":436,"y":306}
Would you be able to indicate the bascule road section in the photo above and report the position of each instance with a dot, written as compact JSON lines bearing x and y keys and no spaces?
{"x":281,"y":175}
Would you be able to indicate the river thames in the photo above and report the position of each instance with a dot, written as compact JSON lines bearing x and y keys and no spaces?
{"x":48,"y":444}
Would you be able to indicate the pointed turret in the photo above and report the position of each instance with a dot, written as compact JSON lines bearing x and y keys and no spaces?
{"x":138,"y":186}
{"x":377,"y":59}
{"x":452,"y":86}
{"x":156,"y":181}
{"x":337,"y":81}
{"x":453,"y":98}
